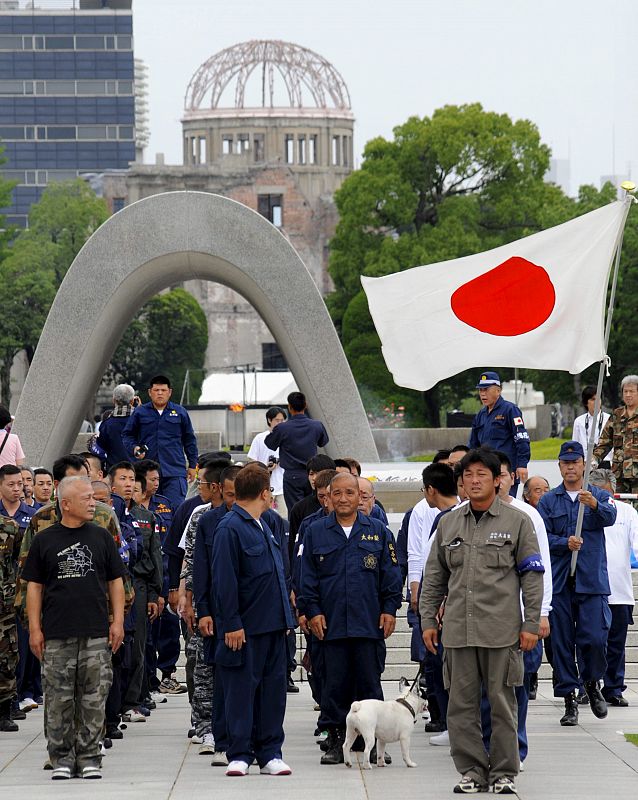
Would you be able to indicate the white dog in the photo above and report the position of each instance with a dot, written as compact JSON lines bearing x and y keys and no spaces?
{"x":385,"y":721}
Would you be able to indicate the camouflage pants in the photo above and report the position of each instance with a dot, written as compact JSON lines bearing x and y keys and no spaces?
{"x":77,"y":677}
{"x":203,"y":679}
{"x":8,"y":655}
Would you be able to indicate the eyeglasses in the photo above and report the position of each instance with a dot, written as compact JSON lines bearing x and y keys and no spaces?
{"x":204,"y":483}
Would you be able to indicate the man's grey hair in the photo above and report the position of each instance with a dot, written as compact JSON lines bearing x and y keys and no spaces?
{"x":66,"y":484}
{"x":603,"y":477}
{"x":526,"y":489}
{"x":124,"y":393}
{"x":24,"y":468}
{"x":628,"y":380}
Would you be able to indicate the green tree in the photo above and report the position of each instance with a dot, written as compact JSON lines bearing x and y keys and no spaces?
{"x":169,"y":336}
{"x":459,"y":182}
{"x":34,"y":263}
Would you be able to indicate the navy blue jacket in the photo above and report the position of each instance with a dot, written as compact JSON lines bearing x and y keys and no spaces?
{"x":109,"y":439}
{"x":306,"y":522}
{"x":171,"y":548}
{"x":378,"y":513}
{"x":203,"y":559}
{"x":351,"y":581}
{"x":559,"y":514}
{"x":167,"y":436}
{"x":402,"y":545}
{"x":297,"y":439}
{"x":502,"y":428}
{"x":249,"y":585}
{"x":129,"y":532}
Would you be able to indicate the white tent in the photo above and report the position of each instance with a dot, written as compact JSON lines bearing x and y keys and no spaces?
{"x":247,"y":388}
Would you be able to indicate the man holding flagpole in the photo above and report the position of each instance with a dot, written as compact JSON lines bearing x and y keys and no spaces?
{"x":580,"y":616}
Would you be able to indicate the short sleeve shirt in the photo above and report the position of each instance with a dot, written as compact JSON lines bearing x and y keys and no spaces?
{"x":74,"y":565}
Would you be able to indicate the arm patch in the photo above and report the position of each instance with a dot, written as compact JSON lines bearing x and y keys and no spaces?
{"x":533,"y":563}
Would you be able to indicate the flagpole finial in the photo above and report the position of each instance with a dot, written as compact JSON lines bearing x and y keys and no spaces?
{"x":628,"y":186}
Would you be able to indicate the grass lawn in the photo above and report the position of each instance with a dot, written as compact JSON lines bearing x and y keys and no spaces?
{"x":632,"y":737}
{"x":543,"y":450}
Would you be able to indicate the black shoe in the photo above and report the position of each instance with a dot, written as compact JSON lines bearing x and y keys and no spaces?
{"x":17,"y":714}
{"x":596,"y":700}
{"x":327,"y":742}
{"x":335,"y":754}
{"x":148,"y":703}
{"x":8,"y":725}
{"x":191,"y":733}
{"x":114,"y":733}
{"x":291,"y":687}
{"x":533,"y":685}
{"x":618,"y":701}
{"x":435,"y":727}
{"x":373,"y":756}
{"x":582,"y":699}
{"x":108,"y":743}
{"x":570,"y":718}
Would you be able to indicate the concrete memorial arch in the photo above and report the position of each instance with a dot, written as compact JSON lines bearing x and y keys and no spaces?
{"x":163,"y":240}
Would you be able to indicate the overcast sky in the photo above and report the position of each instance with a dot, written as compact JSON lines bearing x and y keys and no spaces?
{"x":567,"y":65}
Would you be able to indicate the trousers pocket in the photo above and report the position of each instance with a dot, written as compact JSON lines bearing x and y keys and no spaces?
{"x":515,"y":668}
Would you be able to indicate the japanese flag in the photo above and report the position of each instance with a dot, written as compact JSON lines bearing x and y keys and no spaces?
{"x":538,"y":302}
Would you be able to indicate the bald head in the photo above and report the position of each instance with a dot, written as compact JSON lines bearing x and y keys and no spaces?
{"x":366,"y":496}
{"x":76,"y":500}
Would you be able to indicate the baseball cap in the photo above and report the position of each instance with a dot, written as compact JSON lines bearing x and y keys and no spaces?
{"x":571,"y":451}
{"x":488,"y":379}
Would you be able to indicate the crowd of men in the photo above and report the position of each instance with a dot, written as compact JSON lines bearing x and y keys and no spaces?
{"x":148,"y":542}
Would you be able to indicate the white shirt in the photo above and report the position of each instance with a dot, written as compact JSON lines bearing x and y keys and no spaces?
{"x":347,"y":530}
{"x":583,"y":424}
{"x":419,"y":544}
{"x":259,"y":452}
{"x":543,"y":545}
{"x":620,"y":539}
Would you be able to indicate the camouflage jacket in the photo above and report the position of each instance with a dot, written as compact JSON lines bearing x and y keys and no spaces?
{"x":621,"y":433}
{"x":45,"y":517}
{"x":9,"y":549}
{"x":189,"y":547}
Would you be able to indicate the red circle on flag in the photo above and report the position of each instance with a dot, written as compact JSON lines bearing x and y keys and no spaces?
{"x":513,"y":298}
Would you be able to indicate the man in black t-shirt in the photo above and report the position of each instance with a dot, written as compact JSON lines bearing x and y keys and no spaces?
{"x":70,"y":571}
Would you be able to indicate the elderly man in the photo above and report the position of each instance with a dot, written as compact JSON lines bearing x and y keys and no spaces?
{"x":109,"y":438}
{"x":533,"y":489}
{"x":620,"y":540}
{"x":70,"y":572}
{"x":621,"y":433}
{"x":500,"y":425}
{"x":580,"y":616}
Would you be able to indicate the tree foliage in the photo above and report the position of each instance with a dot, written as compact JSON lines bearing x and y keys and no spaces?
{"x":168,"y":336}
{"x":35,"y":262}
{"x":459,"y":182}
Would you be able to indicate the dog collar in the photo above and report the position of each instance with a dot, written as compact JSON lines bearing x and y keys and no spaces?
{"x":405,"y":704}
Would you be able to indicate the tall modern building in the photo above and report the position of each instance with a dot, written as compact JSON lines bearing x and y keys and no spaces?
{"x":67,"y":93}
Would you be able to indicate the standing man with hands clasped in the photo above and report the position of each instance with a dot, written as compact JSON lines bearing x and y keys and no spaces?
{"x":70,"y":571}
{"x":484,"y":554}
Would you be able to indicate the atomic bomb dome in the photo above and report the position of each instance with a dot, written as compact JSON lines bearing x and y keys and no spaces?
{"x":268,"y":101}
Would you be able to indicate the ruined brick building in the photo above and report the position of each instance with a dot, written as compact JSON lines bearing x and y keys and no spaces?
{"x":269,"y":124}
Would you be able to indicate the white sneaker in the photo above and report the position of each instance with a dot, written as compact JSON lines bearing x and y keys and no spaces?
{"x":28,"y":704}
{"x":195,"y":739}
{"x":236,"y":769}
{"x":441,"y":739}
{"x":275,"y":767}
{"x":133,"y":715}
{"x":158,"y":697}
{"x":207,"y":747}
{"x":219,"y":759}
{"x":522,"y":767}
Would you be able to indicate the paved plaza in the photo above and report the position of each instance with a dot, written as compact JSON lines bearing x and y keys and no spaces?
{"x":155,"y":761}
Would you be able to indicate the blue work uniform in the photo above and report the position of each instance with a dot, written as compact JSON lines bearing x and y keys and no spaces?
{"x":580,"y":615}
{"x":167,"y":436}
{"x":503,"y":429}
{"x":297,"y":439}
{"x":109,"y":438}
{"x":250,"y":593}
{"x":351,"y":581}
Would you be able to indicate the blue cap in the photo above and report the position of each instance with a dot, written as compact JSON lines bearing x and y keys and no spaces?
{"x":488,"y":379}
{"x":571,"y":451}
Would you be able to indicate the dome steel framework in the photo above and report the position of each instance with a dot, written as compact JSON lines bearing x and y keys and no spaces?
{"x":298,"y":67}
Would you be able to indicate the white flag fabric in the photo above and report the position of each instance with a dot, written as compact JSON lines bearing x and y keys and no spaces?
{"x":538,"y":303}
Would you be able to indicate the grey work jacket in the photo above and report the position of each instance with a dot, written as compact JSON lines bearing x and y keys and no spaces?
{"x":482,"y":568}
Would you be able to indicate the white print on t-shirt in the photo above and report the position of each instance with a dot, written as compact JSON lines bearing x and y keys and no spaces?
{"x":75,"y":561}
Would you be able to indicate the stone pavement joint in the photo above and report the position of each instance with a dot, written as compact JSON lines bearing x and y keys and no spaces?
{"x":156,"y":761}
